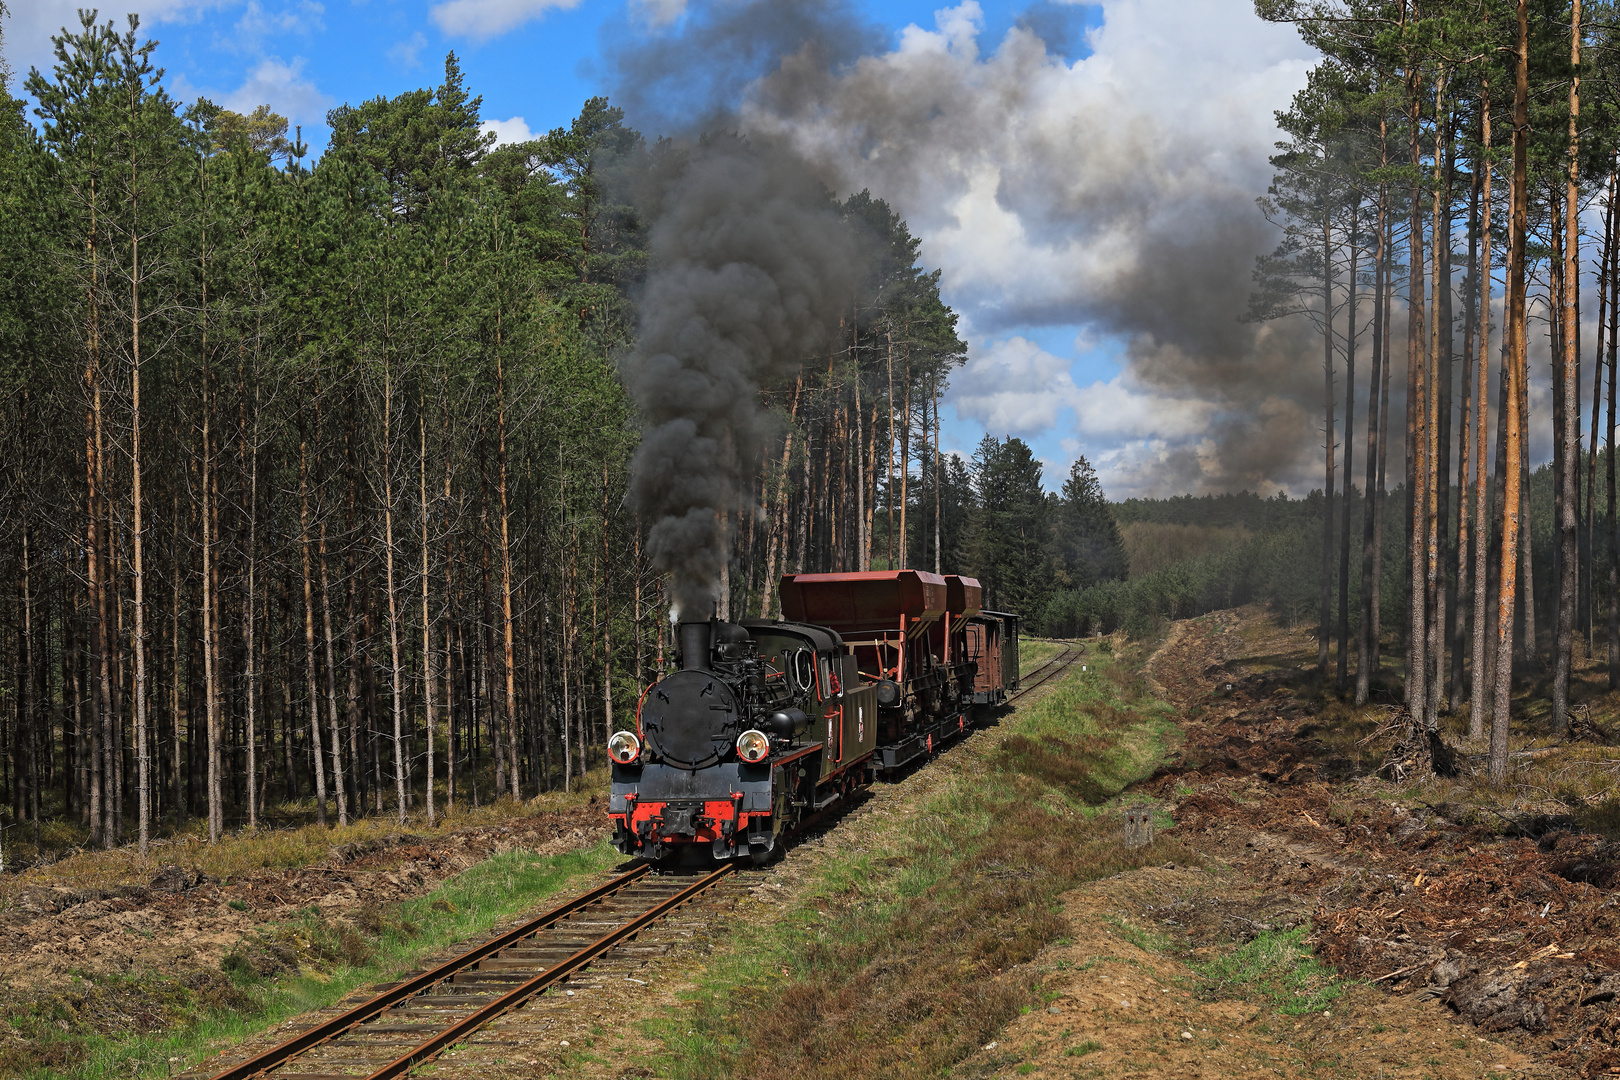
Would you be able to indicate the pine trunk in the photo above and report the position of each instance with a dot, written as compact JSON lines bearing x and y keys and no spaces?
{"x":1341,"y":678}
{"x":1417,"y":441}
{"x":506,"y":573}
{"x":316,"y":743}
{"x":1482,"y":527}
{"x":1512,"y":509}
{"x":1569,"y":405}
{"x":1367,"y":639}
{"x":427,"y":616}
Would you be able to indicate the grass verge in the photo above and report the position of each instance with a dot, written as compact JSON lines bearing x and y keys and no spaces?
{"x":287,"y":838}
{"x":1033,"y":652}
{"x":912,"y":950}
{"x":154,"y":1024}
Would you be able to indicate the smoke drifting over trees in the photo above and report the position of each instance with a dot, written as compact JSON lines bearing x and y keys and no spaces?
{"x":751,"y":268}
{"x":1115,"y":191}
{"x":322,"y":496}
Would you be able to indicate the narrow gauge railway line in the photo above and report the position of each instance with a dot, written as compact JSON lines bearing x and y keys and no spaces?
{"x":413,"y":1021}
{"x":1048,"y":669}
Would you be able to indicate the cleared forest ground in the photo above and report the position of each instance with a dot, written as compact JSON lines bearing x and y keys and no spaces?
{"x":111,"y":967}
{"x":1297,"y":915}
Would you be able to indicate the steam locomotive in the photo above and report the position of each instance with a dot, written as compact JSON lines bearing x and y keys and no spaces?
{"x":768,"y":722}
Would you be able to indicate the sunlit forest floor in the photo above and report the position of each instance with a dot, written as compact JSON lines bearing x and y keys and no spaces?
{"x":1316,"y":903}
{"x":1568,"y":781}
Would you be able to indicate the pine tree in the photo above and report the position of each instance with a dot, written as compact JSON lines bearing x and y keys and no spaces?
{"x":1011,"y":524}
{"x":1088,"y":544}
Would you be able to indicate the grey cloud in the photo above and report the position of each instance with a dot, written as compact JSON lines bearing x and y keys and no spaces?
{"x":1131,"y":211}
{"x":1115,"y":192}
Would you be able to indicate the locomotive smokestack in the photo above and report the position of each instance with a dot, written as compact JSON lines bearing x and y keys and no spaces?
{"x":695,"y":638}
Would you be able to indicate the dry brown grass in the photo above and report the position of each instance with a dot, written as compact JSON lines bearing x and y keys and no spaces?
{"x":244,"y":852}
{"x":912,"y":990}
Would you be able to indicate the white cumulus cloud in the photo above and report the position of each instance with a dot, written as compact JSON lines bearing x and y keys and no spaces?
{"x":1114,"y":192}
{"x":514,"y":130}
{"x":32,"y":22}
{"x":407,"y":53}
{"x":1013,"y":387}
{"x":659,"y":13}
{"x":282,"y":86}
{"x":489,"y":18}
{"x":303,"y":17}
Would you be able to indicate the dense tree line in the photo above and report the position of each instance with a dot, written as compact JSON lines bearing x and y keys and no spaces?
{"x":313,"y":495}
{"x":1434,"y":174}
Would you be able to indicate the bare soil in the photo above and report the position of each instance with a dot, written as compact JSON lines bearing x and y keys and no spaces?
{"x":1117,"y":1009}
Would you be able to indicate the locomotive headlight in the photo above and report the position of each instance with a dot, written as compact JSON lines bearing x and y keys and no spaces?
{"x":624,"y":747}
{"x":753,"y":746}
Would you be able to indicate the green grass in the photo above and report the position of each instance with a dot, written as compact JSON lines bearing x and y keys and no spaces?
{"x":306,"y":963}
{"x":1278,"y":967}
{"x":936,"y":916}
{"x":1144,"y":939}
{"x":1032,"y":653}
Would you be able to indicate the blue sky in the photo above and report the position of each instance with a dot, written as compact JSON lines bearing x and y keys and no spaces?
{"x":1083,"y":174}
{"x":317,"y":53}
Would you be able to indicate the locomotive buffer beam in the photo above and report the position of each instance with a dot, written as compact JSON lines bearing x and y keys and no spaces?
{"x":677,"y":821}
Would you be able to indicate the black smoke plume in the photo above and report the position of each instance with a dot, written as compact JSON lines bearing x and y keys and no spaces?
{"x":751,"y":266}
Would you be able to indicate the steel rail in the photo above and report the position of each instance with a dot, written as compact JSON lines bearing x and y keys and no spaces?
{"x":344,"y":1022}
{"x":1056,"y":664}
{"x":556,"y":973}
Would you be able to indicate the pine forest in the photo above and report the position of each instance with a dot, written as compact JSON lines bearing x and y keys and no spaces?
{"x":317,"y":494}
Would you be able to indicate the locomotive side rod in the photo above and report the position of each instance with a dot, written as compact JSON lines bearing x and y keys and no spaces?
{"x":556,"y":973}
{"x":343,"y":1022}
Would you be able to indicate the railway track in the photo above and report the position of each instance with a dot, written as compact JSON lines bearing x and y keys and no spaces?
{"x":411,"y":1022}
{"x":1048,"y":669}
{"x":414,"y":1020}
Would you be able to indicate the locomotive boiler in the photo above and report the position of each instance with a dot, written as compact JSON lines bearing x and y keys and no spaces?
{"x":765,"y":723}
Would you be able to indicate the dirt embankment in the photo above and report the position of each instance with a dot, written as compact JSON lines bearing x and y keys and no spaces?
{"x":181,"y":920}
{"x":1506,"y":926}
